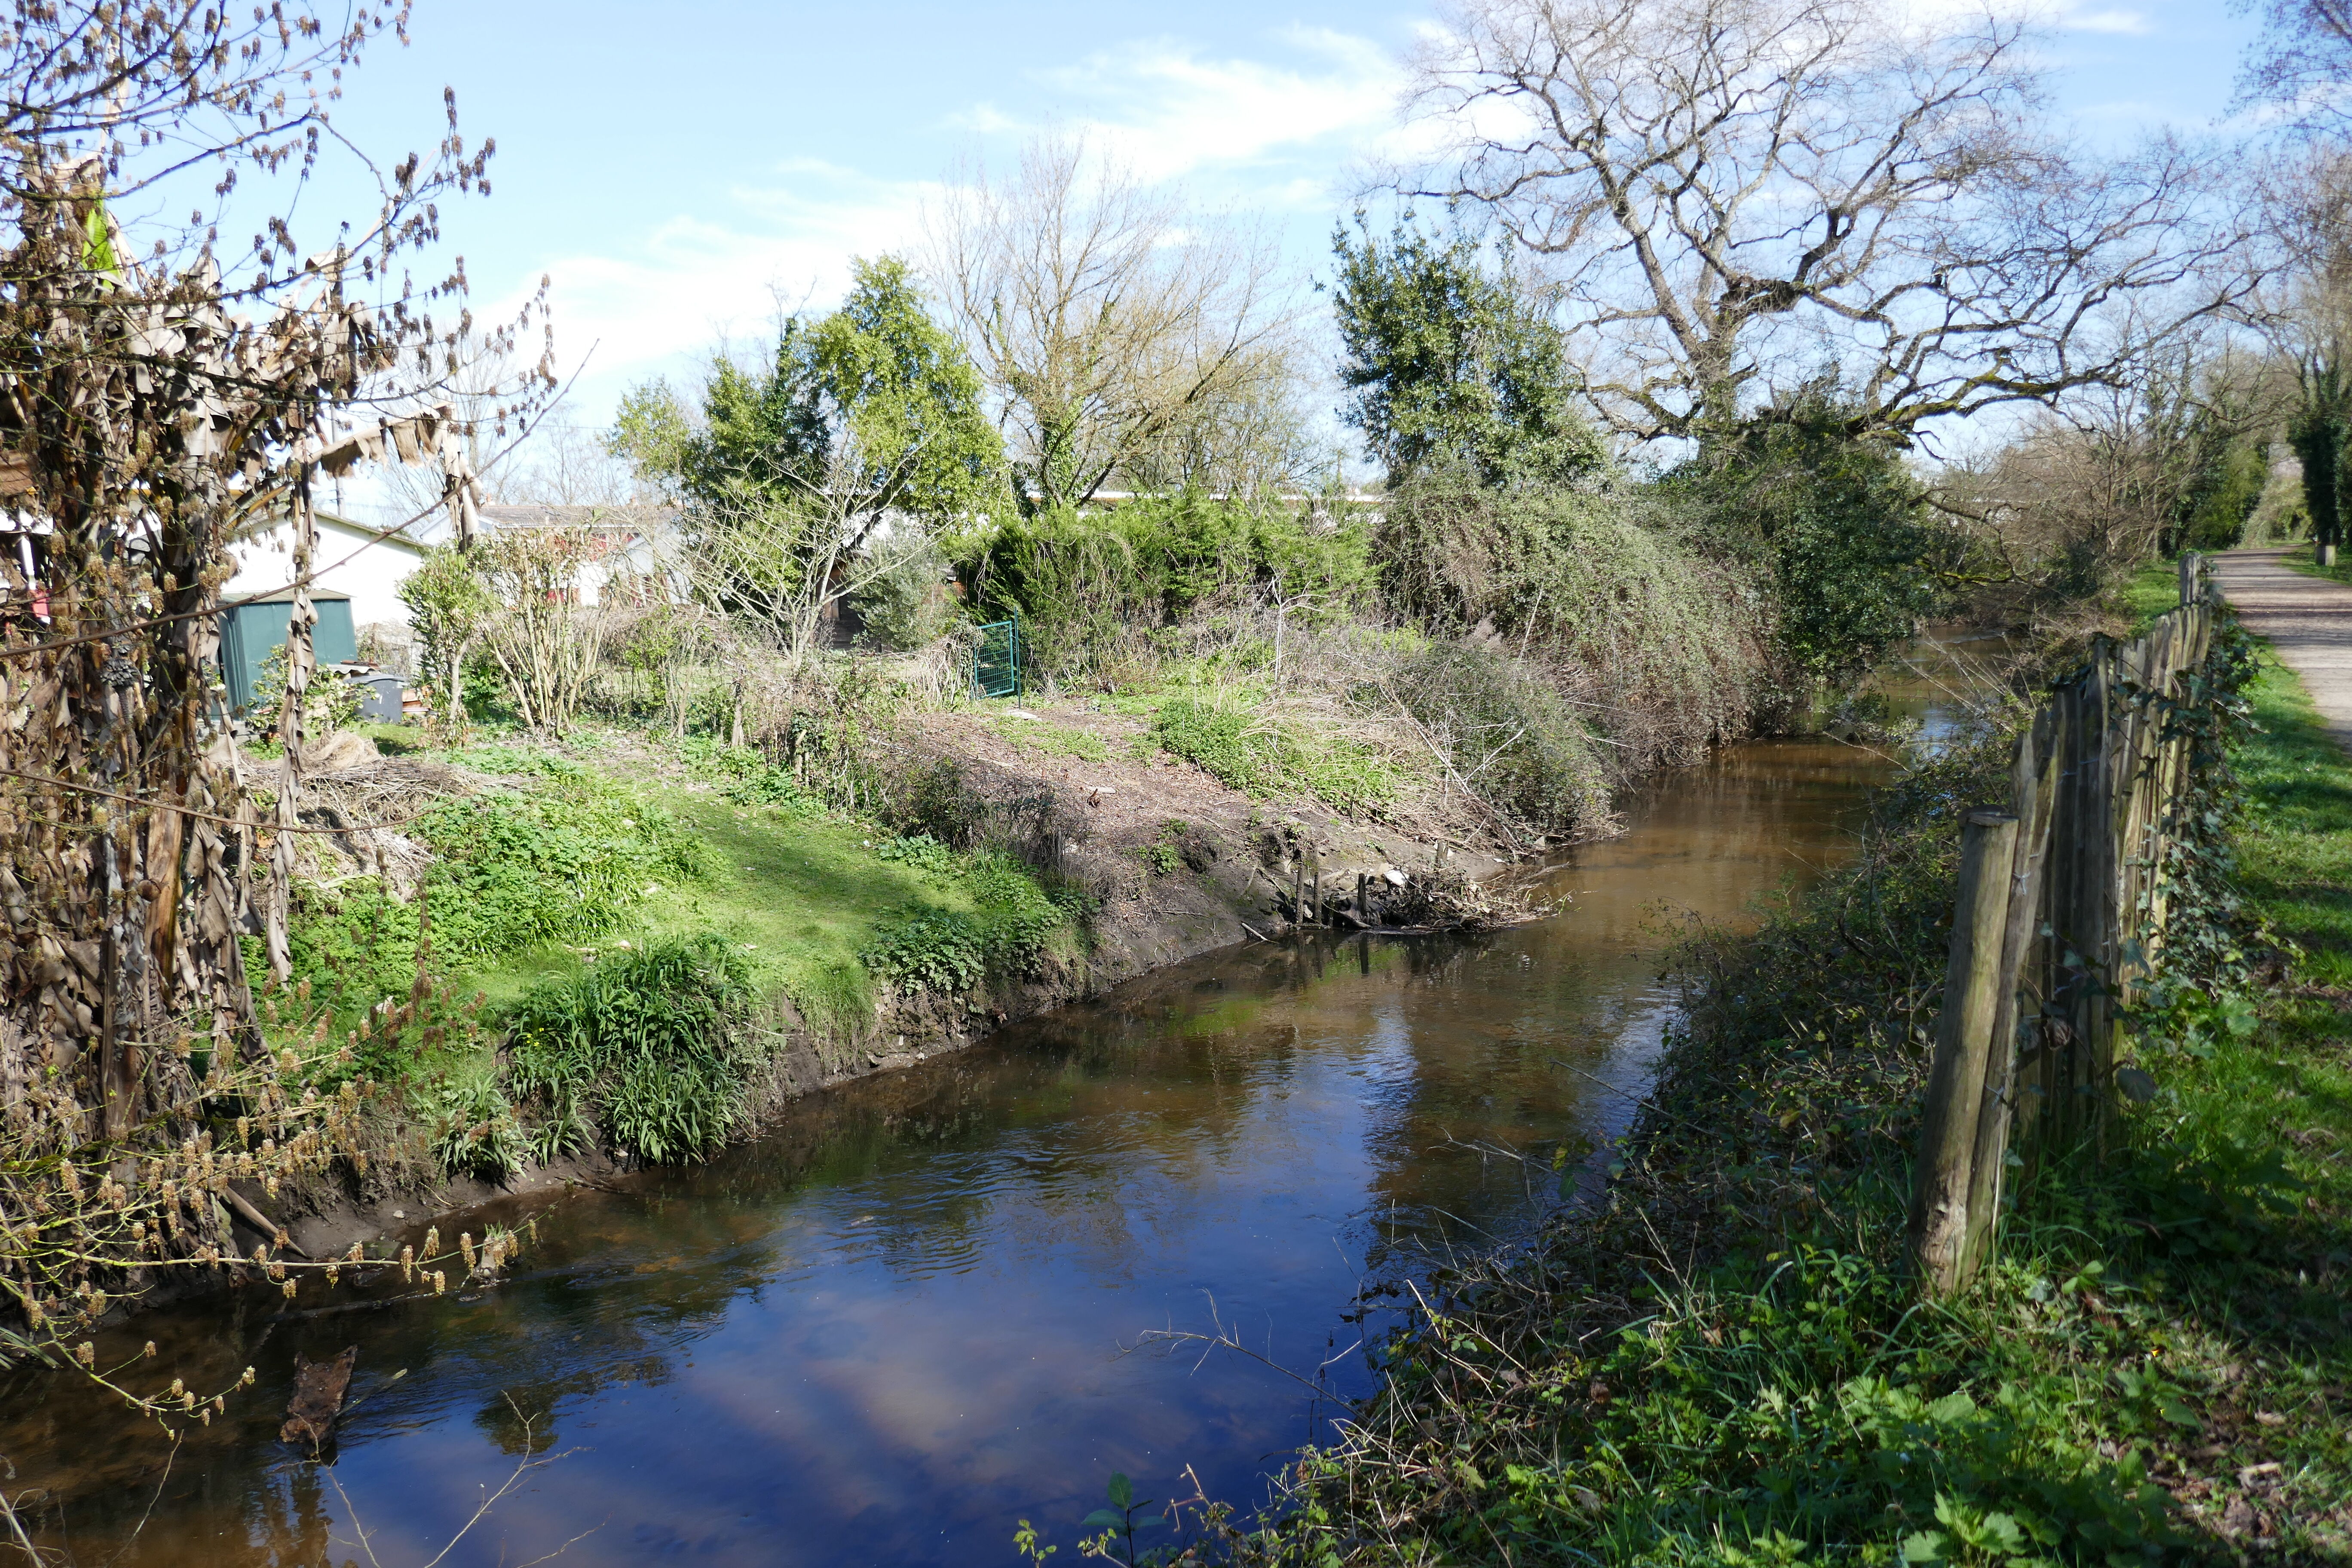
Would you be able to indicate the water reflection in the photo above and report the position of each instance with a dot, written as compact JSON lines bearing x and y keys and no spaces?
{"x":895,"y":1325}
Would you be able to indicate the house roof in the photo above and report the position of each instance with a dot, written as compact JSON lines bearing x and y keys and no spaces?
{"x":605,"y":518}
{"x":398,"y":538}
{"x":285,"y":597}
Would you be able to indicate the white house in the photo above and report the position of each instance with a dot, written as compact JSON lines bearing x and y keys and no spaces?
{"x":352,"y":561}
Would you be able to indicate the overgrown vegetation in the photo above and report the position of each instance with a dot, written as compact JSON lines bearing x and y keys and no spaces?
{"x":1259,"y":754}
{"x":566,"y":861}
{"x":1836,"y":527}
{"x":998,"y":939}
{"x":1107,"y":595}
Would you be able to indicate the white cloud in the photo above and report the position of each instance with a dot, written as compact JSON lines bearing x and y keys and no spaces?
{"x":2133,"y":24}
{"x":1272,"y":133}
{"x":1163,"y":109}
{"x":652,"y":306}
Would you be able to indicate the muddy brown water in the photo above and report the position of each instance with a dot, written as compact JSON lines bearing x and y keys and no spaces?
{"x":921,"y":1307}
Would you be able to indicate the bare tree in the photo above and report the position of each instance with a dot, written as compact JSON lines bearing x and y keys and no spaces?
{"x":572,"y":465}
{"x":1740,"y":194}
{"x":153,"y":399}
{"x":780,"y":567}
{"x":488,"y":392}
{"x":1249,"y":435}
{"x":545,"y":636}
{"x":1107,"y":320}
{"x":2303,"y":62}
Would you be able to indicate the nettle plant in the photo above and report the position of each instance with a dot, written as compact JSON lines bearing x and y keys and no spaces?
{"x":163,"y":394}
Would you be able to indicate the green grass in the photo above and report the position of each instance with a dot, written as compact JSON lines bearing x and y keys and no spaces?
{"x":1246,"y":749}
{"x":1728,"y":1364}
{"x":801,"y":894}
{"x":571,"y":865}
{"x":2296,"y":851}
{"x":2300,"y":558}
{"x":1053,"y":739}
{"x":2149,"y":591}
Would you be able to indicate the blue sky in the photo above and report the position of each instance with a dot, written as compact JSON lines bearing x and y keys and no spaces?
{"x":673,"y":168}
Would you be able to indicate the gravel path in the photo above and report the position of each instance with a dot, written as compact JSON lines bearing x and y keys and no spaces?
{"x":2307,"y":620}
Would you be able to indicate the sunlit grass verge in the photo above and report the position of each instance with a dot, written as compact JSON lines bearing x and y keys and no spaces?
{"x":566,"y":855}
{"x":1246,"y":748}
{"x":1723,"y":1362}
{"x":573,"y":900}
{"x":2303,"y":558}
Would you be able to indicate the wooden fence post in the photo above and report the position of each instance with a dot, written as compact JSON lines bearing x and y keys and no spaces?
{"x":1298,"y":890}
{"x":1940,"y":1178}
{"x":2090,"y":1014}
{"x":2033,"y":787}
{"x":2096,"y":789}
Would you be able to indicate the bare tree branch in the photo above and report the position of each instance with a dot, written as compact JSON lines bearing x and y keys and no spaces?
{"x":1739,"y":194}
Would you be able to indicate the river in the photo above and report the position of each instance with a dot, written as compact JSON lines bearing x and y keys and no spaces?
{"x":922,"y":1307}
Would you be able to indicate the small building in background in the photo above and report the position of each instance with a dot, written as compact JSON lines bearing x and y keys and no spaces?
{"x":252,"y":631}
{"x":356,"y":589}
{"x":625,"y":541}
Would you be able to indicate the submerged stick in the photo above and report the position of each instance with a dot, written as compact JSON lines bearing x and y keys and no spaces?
{"x":318,"y":1402}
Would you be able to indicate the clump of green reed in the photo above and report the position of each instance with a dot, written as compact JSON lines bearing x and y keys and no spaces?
{"x":470,"y":1125}
{"x":645,"y":1048}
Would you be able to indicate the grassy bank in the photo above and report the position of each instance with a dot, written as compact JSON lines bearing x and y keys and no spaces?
{"x":621,"y":885}
{"x":1725,"y":1364}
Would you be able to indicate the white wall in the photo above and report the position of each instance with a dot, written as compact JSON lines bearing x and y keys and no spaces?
{"x":372,"y":576}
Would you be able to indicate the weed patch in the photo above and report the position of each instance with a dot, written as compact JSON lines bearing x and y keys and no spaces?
{"x":744,"y":774}
{"x":1506,"y":734}
{"x":1246,"y":750}
{"x":998,"y":939}
{"x":1056,"y":740}
{"x":646,"y":1047}
{"x":567,"y":861}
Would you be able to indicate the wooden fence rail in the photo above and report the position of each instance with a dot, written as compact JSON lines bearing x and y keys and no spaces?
{"x":2062,"y":903}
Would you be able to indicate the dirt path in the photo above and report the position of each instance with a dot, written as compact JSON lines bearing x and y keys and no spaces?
{"x":2307,"y":620}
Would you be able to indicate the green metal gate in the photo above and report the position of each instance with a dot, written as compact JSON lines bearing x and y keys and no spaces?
{"x":996,"y":662}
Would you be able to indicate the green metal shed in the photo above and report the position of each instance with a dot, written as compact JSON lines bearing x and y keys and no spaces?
{"x":251,"y":632}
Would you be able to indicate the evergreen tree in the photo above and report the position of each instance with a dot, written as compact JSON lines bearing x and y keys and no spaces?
{"x":2317,"y":433}
{"x":876,"y":397}
{"x":1452,"y":365}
